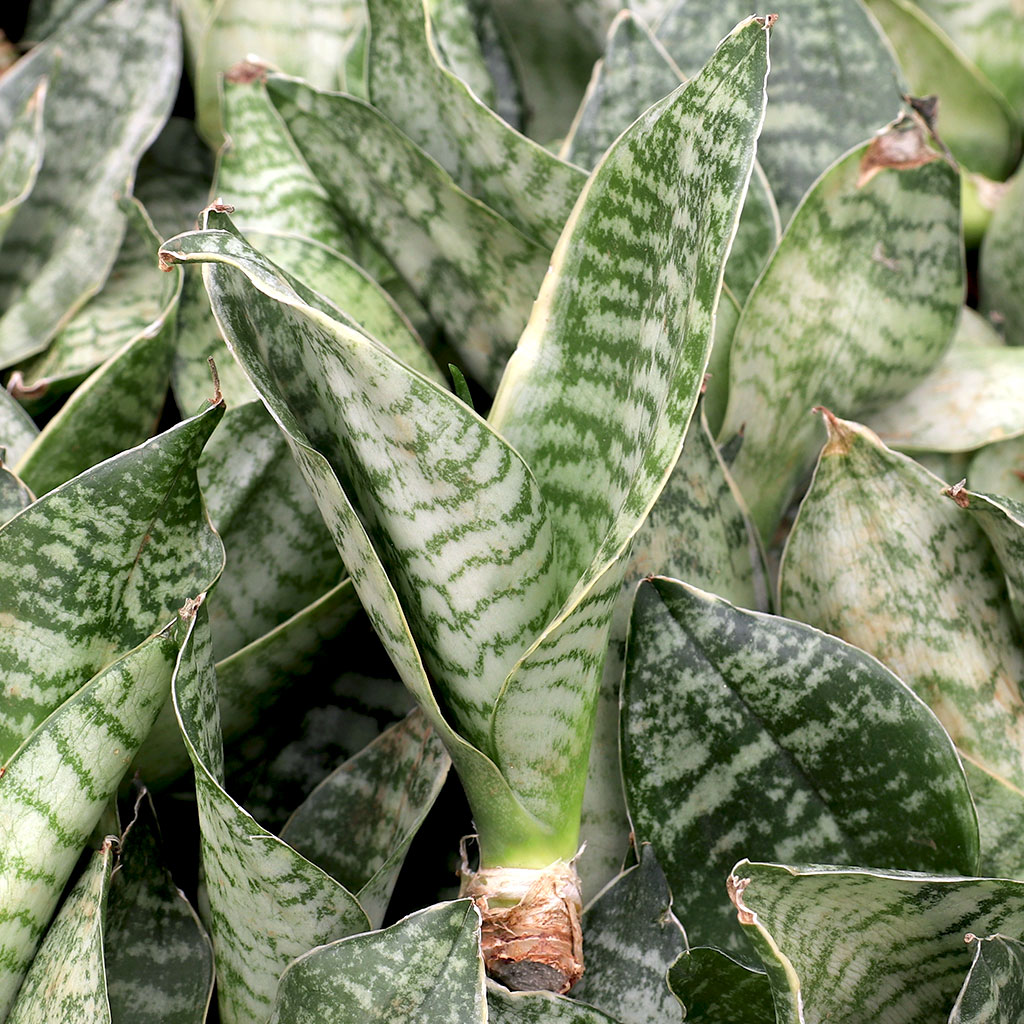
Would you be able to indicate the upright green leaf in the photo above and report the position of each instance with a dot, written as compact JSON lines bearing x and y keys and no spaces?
{"x":66,"y":983}
{"x":14,"y":495}
{"x":632,"y":937}
{"x":1001,"y":270}
{"x":22,"y":153}
{"x":842,"y":944}
{"x":159,"y":962}
{"x":411,"y":85}
{"x":974,"y":118}
{"x":56,"y":785}
{"x":834,"y":81}
{"x":117,"y":80}
{"x":504,"y":1007}
{"x":380,"y":798}
{"x":881,"y":558}
{"x":994,"y":990}
{"x":252,"y":877}
{"x":17,"y":431}
{"x":473,"y":270}
{"x":748,"y":732}
{"x":93,"y":567}
{"x":665,"y":200}
{"x":858,"y":303}
{"x":427,"y":967}
{"x":715,"y":989}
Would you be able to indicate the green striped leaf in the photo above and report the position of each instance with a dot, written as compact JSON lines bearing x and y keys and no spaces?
{"x":847,"y":945}
{"x":263,"y":327}
{"x":858,"y":303}
{"x":17,"y":430}
{"x":427,"y":967}
{"x":743,"y":732}
{"x":379,"y":797}
{"x":459,"y":32}
{"x":67,"y":983}
{"x":252,"y":877}
{"x":715,"y":989}
{"x":602,"y":461}
{"x":22,"y":153}
{"x":991,"y":33}
{"x":93,"y":567}
{"x":1000,"y":271}
{"x":118,"y":78}
{"x":14,"y":495}
{"x":716,"y":393}
{"x":881,"y":558}
{"x":476,"y":274}
{"x":504,"y":1007}
{"x":974,"y":118}
{"x":970,"y":399}
{"x":56,"y":785}
{"x":834,"y":81}
{"x":159,"y":962}
{"x":632,"y":937}
{"x":312,"y":38}
{"x":994,"y":990}
{"x":1000,"y":808}
{"x":999,"y":469}
{"x":135,"y":302}
{"x":411,"y":85}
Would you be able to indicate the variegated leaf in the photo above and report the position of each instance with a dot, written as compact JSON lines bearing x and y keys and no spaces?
{"x":159,"y":961}
{"x":21,"y":155}
{"x":858,"y":303}
{"x":54,"y":788}
{"x":504,"y":1007}
{"x":473,"y":270}
{"x":715,"y":989}
{"x":743,"y":732}
{"x":999,"y":469}
{"x":14,"y":495}
{"x":312,"y":38}
{"x":118,"y":77}
{"x":17,"y":430}
{"x":410,"y":84}
{"x":716,"y":388}
{"x":66,"y":983}
{"x":991,"y":33}
{"x":842,"y":944}
{"x":427,"y":967}
{"x":303,"y":386}
{"x":834,"y":81}
{"x":881,"y":558}
{"x":631,"y":939}
{"x":973,"y":117}
{"x":252,"y":877}
{"x":1001,"y":271}
{"x":665,"y":199}
{"x":972,"y":398}
{"x":93,"y":567}
{"x":464,"y":36}
{"x":1000,"y":807}
{"x":135,"y":302}
{"x":994,"y":990}
{"x":251,"y":679}
{"x":379,"y":798}
{"x":698,"y":531}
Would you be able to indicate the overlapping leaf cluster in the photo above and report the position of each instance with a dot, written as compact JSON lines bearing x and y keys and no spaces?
{"x":450,"y":498}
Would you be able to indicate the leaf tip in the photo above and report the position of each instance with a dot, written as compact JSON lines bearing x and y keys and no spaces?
{"x":900,"y":147}
{"x":958,"y":492}
{"x":840,"y":436}
{"x":768,"y":21}
{"x":736,"y":887}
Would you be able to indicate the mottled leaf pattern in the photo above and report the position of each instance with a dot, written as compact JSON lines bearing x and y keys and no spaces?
{"x":881,"y":558}
{"x":252,"y":877}
{"x":715,"y":989}
{"x":95,"y":566}
{"x":999,"y":469}
{"x":14,"y":495}
{"x":427,"y":967}
{"x":834,"y":80}
{"x":1001,"y":271}
{"x":55,"y":787}
{"x":631,"y":939}
{"x":67,"y":983}
{"x":17,"y":431}
{"x":486,"y":157}
{"x":1000,"y":807}
{"x":473,"y":270}
{"x":900,"y":934}
{"x":379,"y":798}
{"x":858,"y":303}
{"x":118,"y":76}
{"x":743,"y":732}
{"x":504,"y":1007}
{"x":21,"y":154}
{"x":994,"y":990}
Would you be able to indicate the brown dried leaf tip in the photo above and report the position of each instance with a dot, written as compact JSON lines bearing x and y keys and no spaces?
{"x":901,"y":146}
{"x":245,"y":72}
{"x":530,"y":934}
{"x":839,"y":434}
{"x":958,"y":492}
{"x":736,"y":887}
{"x":768,"y":21}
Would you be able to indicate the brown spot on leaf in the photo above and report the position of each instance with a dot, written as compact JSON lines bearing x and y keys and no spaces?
{"x":245,"y":72}
{"x":900,"y":147}
{"x":736,"y":887}
{"x":958,"y":492}
{"x":217,"y":396}
{"x":166,"y":260}
{"x":768,"y":21}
